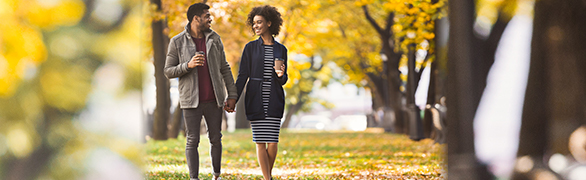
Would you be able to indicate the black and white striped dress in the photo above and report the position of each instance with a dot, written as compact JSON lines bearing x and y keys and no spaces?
{"x":266,"y":130}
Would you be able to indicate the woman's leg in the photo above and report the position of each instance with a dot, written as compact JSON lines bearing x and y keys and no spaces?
{"x":263,"y":159}
{"x":272,"y":153}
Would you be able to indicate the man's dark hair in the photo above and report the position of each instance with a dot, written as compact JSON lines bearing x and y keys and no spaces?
{"x":270,"y":13}
{"x":196,"y":10}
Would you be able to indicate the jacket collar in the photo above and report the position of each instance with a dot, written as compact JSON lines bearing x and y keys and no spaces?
{"x":262,"y":41}
{"x":206,"y":34}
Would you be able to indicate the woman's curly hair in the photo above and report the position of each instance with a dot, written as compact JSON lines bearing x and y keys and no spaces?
{"x":270,"y":13}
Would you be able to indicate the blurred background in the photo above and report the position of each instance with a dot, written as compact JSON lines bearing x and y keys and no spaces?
{"x":82,"y":89}
{"x":71,"y":75}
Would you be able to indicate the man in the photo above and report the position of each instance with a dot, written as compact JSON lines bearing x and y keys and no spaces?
{"x":203,"y":81}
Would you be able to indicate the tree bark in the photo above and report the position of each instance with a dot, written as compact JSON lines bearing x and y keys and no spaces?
{"x":431,"y":91}
{"x":554,"y":100}
{"x":175,"y":123}
{"x":302,"y":96}
{"x":462,"y":162}
{"x":30,"y":167}
{"x":413,"y":112}
{"x":161,"y":113}
{"x":389,"y":89}
{"x":377,"y":105}
{"x":441,"y":57}
{"x":292,"y":110}
{"x":437,"y":83}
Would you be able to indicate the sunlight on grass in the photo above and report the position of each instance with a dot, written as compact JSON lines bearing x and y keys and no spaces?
{"x":307,"y":155}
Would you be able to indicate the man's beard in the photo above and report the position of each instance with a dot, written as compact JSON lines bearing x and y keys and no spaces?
{"x":203,"y":28}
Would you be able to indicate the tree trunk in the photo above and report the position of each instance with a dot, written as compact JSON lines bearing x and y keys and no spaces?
{"x":554,"y":101}
{"x":292,"y":110}
{"x":389,"y":88}
{"x":30,"y":167}
{"x":441,"y":57}
{"x":380,"y":94}
{"x":427,"y":116}
{"x":176,"y":122}
{"x":377,"y":105}
{"x":462,"y":162}
{"x":161,"y":113}
{"x":413,"y":112}
{"x":394,"y":98}
{"x":437,"y":84}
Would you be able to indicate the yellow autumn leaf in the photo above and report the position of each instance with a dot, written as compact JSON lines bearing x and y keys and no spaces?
{"x":49,"y":15}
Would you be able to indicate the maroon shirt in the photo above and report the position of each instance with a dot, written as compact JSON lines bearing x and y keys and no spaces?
{"x":206,"y":90}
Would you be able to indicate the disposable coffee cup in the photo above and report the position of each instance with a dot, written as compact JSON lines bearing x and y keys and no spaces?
{"x":278,"y":63}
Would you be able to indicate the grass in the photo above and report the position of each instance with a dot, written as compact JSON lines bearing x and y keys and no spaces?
{"x":307,"y":155}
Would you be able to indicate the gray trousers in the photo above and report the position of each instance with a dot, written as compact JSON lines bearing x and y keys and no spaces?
{"x":213,"y":121}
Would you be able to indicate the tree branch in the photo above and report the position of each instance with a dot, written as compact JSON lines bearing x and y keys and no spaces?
{"x":372,"y":21}
{"x":342,"y":30}
{"x":313,"y":65}
{"x":91,"y":23}
{"x":390,"y":22}
{"x":418,"y":74}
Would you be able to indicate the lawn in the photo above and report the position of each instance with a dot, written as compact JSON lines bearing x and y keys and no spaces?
{"x":307,"y":155}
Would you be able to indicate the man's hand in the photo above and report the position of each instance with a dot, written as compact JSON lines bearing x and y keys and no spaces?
{"x":230,"y":105}
{"x":196,"y":60}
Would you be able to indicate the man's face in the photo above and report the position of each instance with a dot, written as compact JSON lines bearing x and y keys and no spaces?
{"x":204,"y":21}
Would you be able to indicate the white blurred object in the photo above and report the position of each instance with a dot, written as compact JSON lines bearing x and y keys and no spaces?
{"x":318,"y":122}
{"x":498,"y":119}
{"x":105,"y":164}
{"x":351,"y":122}
{"x":110,"y":109}
{"x":577,"y":173}
{"x":558,"y":162}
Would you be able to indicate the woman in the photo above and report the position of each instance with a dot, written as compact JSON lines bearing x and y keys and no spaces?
{"x":265,"y":98}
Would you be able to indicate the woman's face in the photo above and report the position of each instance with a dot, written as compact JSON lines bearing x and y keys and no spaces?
{"x":260,"y":25}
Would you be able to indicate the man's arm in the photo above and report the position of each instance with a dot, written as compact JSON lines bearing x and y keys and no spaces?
{"x":228,"y":80}
{"x":173,"y":68}
{"x":227,"y":74}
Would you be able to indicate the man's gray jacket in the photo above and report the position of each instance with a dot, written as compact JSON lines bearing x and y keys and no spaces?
{"x":181,"y":50}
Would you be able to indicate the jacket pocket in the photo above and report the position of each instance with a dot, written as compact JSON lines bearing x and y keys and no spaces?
{"x":184,"y":91}
{"x":277,"y":103}
{"x":253,"y":100}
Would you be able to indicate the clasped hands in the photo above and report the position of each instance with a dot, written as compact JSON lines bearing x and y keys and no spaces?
{"x":230,"y":105}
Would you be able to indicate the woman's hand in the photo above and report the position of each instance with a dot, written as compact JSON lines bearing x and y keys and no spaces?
{"x":230,"y":105}
{"x":282,"y":71}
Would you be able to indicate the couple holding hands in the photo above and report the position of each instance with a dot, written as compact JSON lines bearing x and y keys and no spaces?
{"x":196,"y":56}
